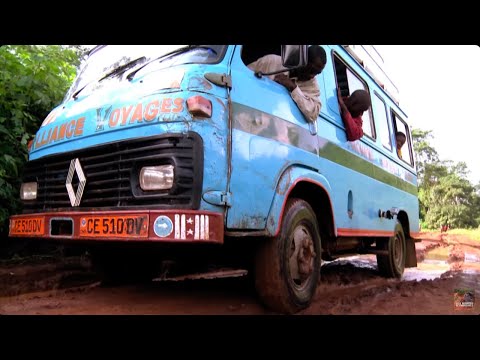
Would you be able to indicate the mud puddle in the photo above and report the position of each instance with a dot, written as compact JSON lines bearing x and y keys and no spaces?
{"x":350,"y":285}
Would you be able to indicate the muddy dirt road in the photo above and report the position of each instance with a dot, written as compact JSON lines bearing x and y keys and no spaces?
{"x":348,"y":286}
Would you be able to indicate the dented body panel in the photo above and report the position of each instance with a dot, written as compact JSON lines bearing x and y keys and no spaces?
{"x":289,"y":179}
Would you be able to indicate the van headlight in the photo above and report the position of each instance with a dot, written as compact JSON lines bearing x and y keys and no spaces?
{"x":28,"y":191}
{"x":157,"y":177}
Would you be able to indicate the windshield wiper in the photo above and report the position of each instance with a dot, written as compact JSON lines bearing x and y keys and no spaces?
{"x":167,"y":55}
{"x":116,"y":71}
{"x":124,"y":67}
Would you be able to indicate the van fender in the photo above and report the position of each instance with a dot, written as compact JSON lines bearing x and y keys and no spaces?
{"x":287,"y":182}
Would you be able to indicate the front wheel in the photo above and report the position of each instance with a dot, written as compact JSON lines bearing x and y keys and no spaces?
{"x":392,"y":265}
{"x":287,"y":267}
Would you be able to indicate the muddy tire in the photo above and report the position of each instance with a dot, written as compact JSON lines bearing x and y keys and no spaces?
{"x":393,"y":264}
{"x":287,"y":267}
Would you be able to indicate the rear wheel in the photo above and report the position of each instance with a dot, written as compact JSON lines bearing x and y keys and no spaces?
{"x":392,"y":265}
{"x":287,"y":267}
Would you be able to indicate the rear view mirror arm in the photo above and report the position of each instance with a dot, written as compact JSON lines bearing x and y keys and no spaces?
{"x":259,"y":74}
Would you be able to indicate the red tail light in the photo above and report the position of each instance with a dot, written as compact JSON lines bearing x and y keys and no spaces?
{"x":199,"y":106}
{"x":30,"y":143}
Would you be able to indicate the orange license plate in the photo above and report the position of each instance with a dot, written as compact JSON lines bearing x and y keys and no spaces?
{"x":128,"y":226}
{"x":27,"y":226}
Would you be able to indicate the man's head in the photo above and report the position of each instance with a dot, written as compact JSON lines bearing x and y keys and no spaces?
{"x":317,"y":58}
{"x":401,"y":138}
{"x":358,"y":102}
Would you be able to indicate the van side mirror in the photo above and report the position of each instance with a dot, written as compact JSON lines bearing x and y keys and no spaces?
{"x":294,"y":56}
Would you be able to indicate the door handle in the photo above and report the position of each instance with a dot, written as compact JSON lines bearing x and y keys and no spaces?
{"x":313,"y":127}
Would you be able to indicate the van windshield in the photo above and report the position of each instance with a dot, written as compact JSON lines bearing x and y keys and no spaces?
{"x":109,"y":60}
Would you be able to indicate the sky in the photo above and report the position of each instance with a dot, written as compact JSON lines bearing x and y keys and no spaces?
{"x":439,"y":89}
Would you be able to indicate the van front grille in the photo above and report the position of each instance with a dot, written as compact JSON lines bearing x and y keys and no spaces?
{"x":111,"y":172}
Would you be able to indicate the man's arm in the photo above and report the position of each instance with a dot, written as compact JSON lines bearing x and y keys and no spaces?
{"x":307,"y":100}
{"x":353,"y":128}
{"x":266,"y":64}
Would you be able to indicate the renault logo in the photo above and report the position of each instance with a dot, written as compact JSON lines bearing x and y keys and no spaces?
{"x":75,"y":167}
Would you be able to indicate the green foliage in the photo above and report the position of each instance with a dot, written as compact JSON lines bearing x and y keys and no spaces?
{"x":445,"y":194}
{"x":33,"y":80}
{"x":425,"y":154}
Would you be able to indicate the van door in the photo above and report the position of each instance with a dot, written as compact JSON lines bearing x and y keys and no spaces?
{"x":268,"y":133}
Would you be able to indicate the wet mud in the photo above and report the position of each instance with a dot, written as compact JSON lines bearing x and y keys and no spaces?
{"x":447,"y":265}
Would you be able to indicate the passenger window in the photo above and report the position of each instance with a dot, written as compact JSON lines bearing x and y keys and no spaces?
{"x":380,"y":115}
{"x":251,"y":53}
{"x":348,"y":82}
{"x":402,"y":135}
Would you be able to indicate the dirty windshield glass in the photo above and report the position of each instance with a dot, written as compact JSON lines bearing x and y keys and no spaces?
{"x":110,"y":60}
{"x":192,"y":54}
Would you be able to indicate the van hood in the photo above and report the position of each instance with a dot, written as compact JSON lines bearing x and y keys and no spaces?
{"x":104,"y":113}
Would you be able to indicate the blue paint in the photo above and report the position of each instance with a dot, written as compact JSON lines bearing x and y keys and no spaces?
{"x":259,"y":163}
{"x":163,"y":226}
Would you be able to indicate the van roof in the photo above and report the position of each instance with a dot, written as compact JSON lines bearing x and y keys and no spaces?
{"x":371,"y":60}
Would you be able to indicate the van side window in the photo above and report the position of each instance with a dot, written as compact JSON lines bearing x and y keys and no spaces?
{"x":406,"y":150}
{"x":251,"y":53}
{"x":348,"y":82}
{"x":380,"y":114}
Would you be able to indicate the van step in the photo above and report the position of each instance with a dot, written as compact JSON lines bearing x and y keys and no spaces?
{"x":213,"y":274}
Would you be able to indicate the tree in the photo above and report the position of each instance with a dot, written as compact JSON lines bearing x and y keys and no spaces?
{"x":429,"y":168}
{"x":452,"y":202}
{"x":445,"y":194}
{"x":425,"y":154}
{"x":476,"y":203}
{"x":33,"y":80}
